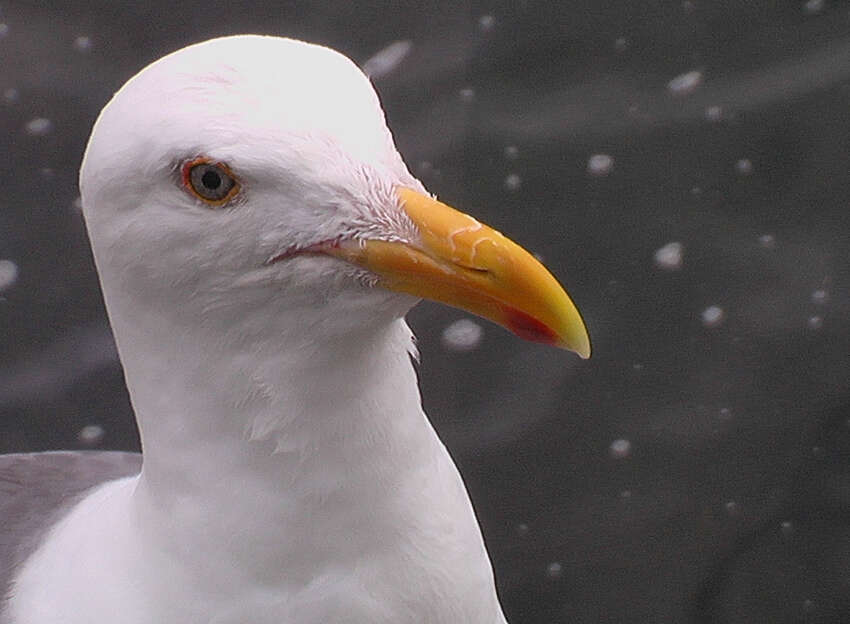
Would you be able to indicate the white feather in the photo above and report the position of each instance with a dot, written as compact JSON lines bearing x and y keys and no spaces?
{"x":290,"y":475}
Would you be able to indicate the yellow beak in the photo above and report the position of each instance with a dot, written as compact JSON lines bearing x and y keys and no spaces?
{"x":466,"y":264}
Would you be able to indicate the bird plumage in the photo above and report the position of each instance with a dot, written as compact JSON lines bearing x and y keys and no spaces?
{"x":290,"y":474}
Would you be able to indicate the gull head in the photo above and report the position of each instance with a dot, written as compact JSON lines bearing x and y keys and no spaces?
{"x":252,"y":181}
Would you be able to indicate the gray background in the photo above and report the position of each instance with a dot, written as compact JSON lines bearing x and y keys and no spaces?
{"x":729,"y":498}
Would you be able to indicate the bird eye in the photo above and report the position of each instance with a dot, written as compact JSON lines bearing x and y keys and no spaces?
{"x":212,"y":182}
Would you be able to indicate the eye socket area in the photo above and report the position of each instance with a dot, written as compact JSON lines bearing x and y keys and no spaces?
{"x":210,"y":181}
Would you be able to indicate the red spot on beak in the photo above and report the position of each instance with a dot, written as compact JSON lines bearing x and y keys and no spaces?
{"x":529,"y":328}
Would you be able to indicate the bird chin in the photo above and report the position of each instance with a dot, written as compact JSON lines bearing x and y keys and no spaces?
{"x":370,"y":296}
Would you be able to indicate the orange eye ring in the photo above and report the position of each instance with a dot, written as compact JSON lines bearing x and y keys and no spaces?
{"x":210,"y":181}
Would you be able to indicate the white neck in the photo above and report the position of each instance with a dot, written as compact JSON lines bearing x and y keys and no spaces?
{"x":279,"y":435}
{"x":278,"y":485}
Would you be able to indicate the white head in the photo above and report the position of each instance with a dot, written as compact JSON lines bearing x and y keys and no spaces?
{"x":303,"y":134}
{"x":250,"y":183}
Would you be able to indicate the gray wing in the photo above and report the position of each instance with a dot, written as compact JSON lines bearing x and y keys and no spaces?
{"x":35,"y":488}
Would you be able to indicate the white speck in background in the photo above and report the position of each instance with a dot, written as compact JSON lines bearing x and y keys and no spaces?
{"x":486,"y":22}
{"x":462,"y":335}
{"x":10,"y":95}
{"x":815,"y":322}
{"x":731,"y":508}
{"x":77,"y":204}
{"x":820,"y":296}
{"x":686,"y":83}
{"x":522,"y":529}
{"x":620,"y":449}
{"x":511,"y":152}
{"x":513,"y":182}
{"x":620,"y":44}
{"x":600,"y":164}
{"x":387,"y":59}
{"x":82,"y":44}
{"x":38,"y":126}
{"x":712,"y":316}
{"x":8,"y":274}
{"x":467,"y":94}
{"x":768,"y":241}
{"x":714,"y":113}
{"x":744,"y":167}
{"x":669,"y":257}
{"x":787,"y":528}
{"x":554,"y":570}
{"x":90,"y":435}
{"x":4,"y":30}
{"x":813,"y":7}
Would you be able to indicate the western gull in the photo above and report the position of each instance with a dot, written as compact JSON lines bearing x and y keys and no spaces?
{"x":259,"y":240}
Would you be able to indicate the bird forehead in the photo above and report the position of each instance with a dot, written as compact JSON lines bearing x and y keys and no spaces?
{"x":251,"y":90}
{"x":263,"y":81}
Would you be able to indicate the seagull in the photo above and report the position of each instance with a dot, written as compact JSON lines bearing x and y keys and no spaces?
{"x":258,"y":240}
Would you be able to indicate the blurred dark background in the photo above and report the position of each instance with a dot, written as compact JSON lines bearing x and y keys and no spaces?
{"x":682,"y":166}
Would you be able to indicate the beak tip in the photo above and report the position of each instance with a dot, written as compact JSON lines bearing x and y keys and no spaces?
{"x":579,"y":346}
{"x":573,"y":336}
{"x":572,"y":332}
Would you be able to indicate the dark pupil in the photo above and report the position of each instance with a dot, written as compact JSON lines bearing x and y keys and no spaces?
{"x":211,"y":180}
